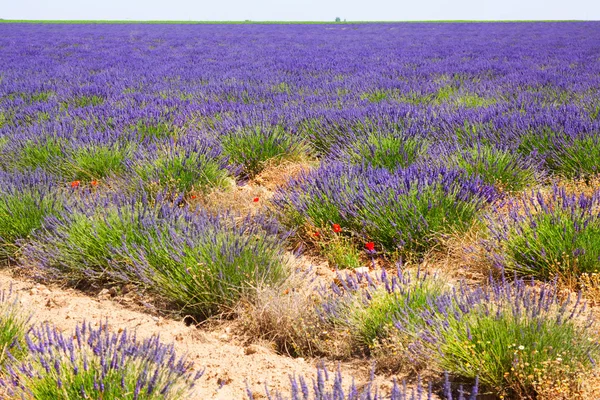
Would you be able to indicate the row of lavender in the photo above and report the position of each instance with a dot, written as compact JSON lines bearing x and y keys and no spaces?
{"x":109,"y":135}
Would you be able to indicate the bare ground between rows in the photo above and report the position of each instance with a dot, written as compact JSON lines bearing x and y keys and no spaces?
{"x":229,"y":364}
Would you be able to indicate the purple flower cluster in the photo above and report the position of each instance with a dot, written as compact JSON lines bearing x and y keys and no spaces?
{"x":199,"y":261}
{"x":547,"y":234}
{"x":323,"y":387}
{"x":95,"y":363}
{"x":400,"y":210}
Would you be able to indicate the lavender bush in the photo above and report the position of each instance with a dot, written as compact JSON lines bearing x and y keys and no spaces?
{"x":94,"y":363}
{"x":14,"y":323}
{"x":25,"y":200}
{"x":202,"y":263}
{"x":330,"y":386}
{"x":402,"y":211}
{"x":545,"y":236}
{"x":513,"y":338}
{"x":193,"y":163}
{"x":496,"y":166}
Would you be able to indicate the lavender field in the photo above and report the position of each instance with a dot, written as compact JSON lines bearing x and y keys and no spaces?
{"x":422,"y":197}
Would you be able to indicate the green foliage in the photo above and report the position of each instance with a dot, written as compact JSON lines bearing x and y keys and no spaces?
{"x":185,"y":171}
{"x":33,"y":155}
{"x":40,"y":96}
{"x":501,"y":168}
{"x":95,"y":162}
{"x":82,"y":101}
{"x":13,"y":326}
{"x":155,"y":131}
{"x":445,"y":93}
{"x":562,"y":242}
{"x":513,"y":352}
{"x":387,"y":151}
{"x":578,"y":158}
{"x":341,"y":253}
{"x":375,"y":96}
{"x":21,"y":214}
{"x":254,"y":147}
{"x":371,"y":322}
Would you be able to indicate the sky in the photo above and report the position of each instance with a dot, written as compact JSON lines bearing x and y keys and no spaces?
{"x":300,"y":10}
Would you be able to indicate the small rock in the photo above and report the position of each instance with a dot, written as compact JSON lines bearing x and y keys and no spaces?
{"x":224,"y":380}
{"x":224,"y":337}
{"x":127,"y":288}
{"x":113,"y":291}
{"x":300,"y":359}
{"x":250,"y":350}
{"x":34,"y":291}
{"x":361,"y":270}
{"x":52,"y":302}
{"x":322,"y":271}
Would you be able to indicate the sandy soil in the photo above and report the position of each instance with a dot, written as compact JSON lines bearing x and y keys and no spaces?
{"x":229,"y":364}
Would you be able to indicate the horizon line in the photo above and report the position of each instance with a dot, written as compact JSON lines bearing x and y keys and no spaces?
{"x":278,"y":22}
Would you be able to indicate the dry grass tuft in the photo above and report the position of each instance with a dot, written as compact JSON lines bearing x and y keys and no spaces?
{"x":580,"y":186}
{"x":286,"y":316}
{"x":276,"y":175}
{"x":236,"y":199}
{"x":460,"y":256}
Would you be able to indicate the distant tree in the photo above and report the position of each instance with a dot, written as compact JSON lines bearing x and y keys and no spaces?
{"x":337,"y":19}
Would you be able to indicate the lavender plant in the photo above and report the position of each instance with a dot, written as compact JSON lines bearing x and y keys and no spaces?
{"x":545,"y":236}
{"x":577,"y":157}
{"x":254,"y":146}
{"x":381,"y":150}
{"x":26,"y":199}
{"x":502,"y":168}
{"x":513,"y":338}
{"x":94,"y":363}
{"x":368,"y":314}
{"x":402,"y":212}
{"x":521,"y":342}
{"x":330,"y":386}
{"x":14,"y":323}
{"x":191,"y":164}
{"x":200,"y":262}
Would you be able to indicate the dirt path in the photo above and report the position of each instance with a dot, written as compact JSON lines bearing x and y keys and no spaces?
{"x":229,"y":364}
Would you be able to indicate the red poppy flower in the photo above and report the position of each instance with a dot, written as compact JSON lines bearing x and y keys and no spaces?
{"x":255,"y":200}
{"x":336,"y":228}
{"x":370,"y":246}
{"x":94,"y":183}
{"x":193,"y":196}
{"x":75,"y":184}
{"x":317,"y":234}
